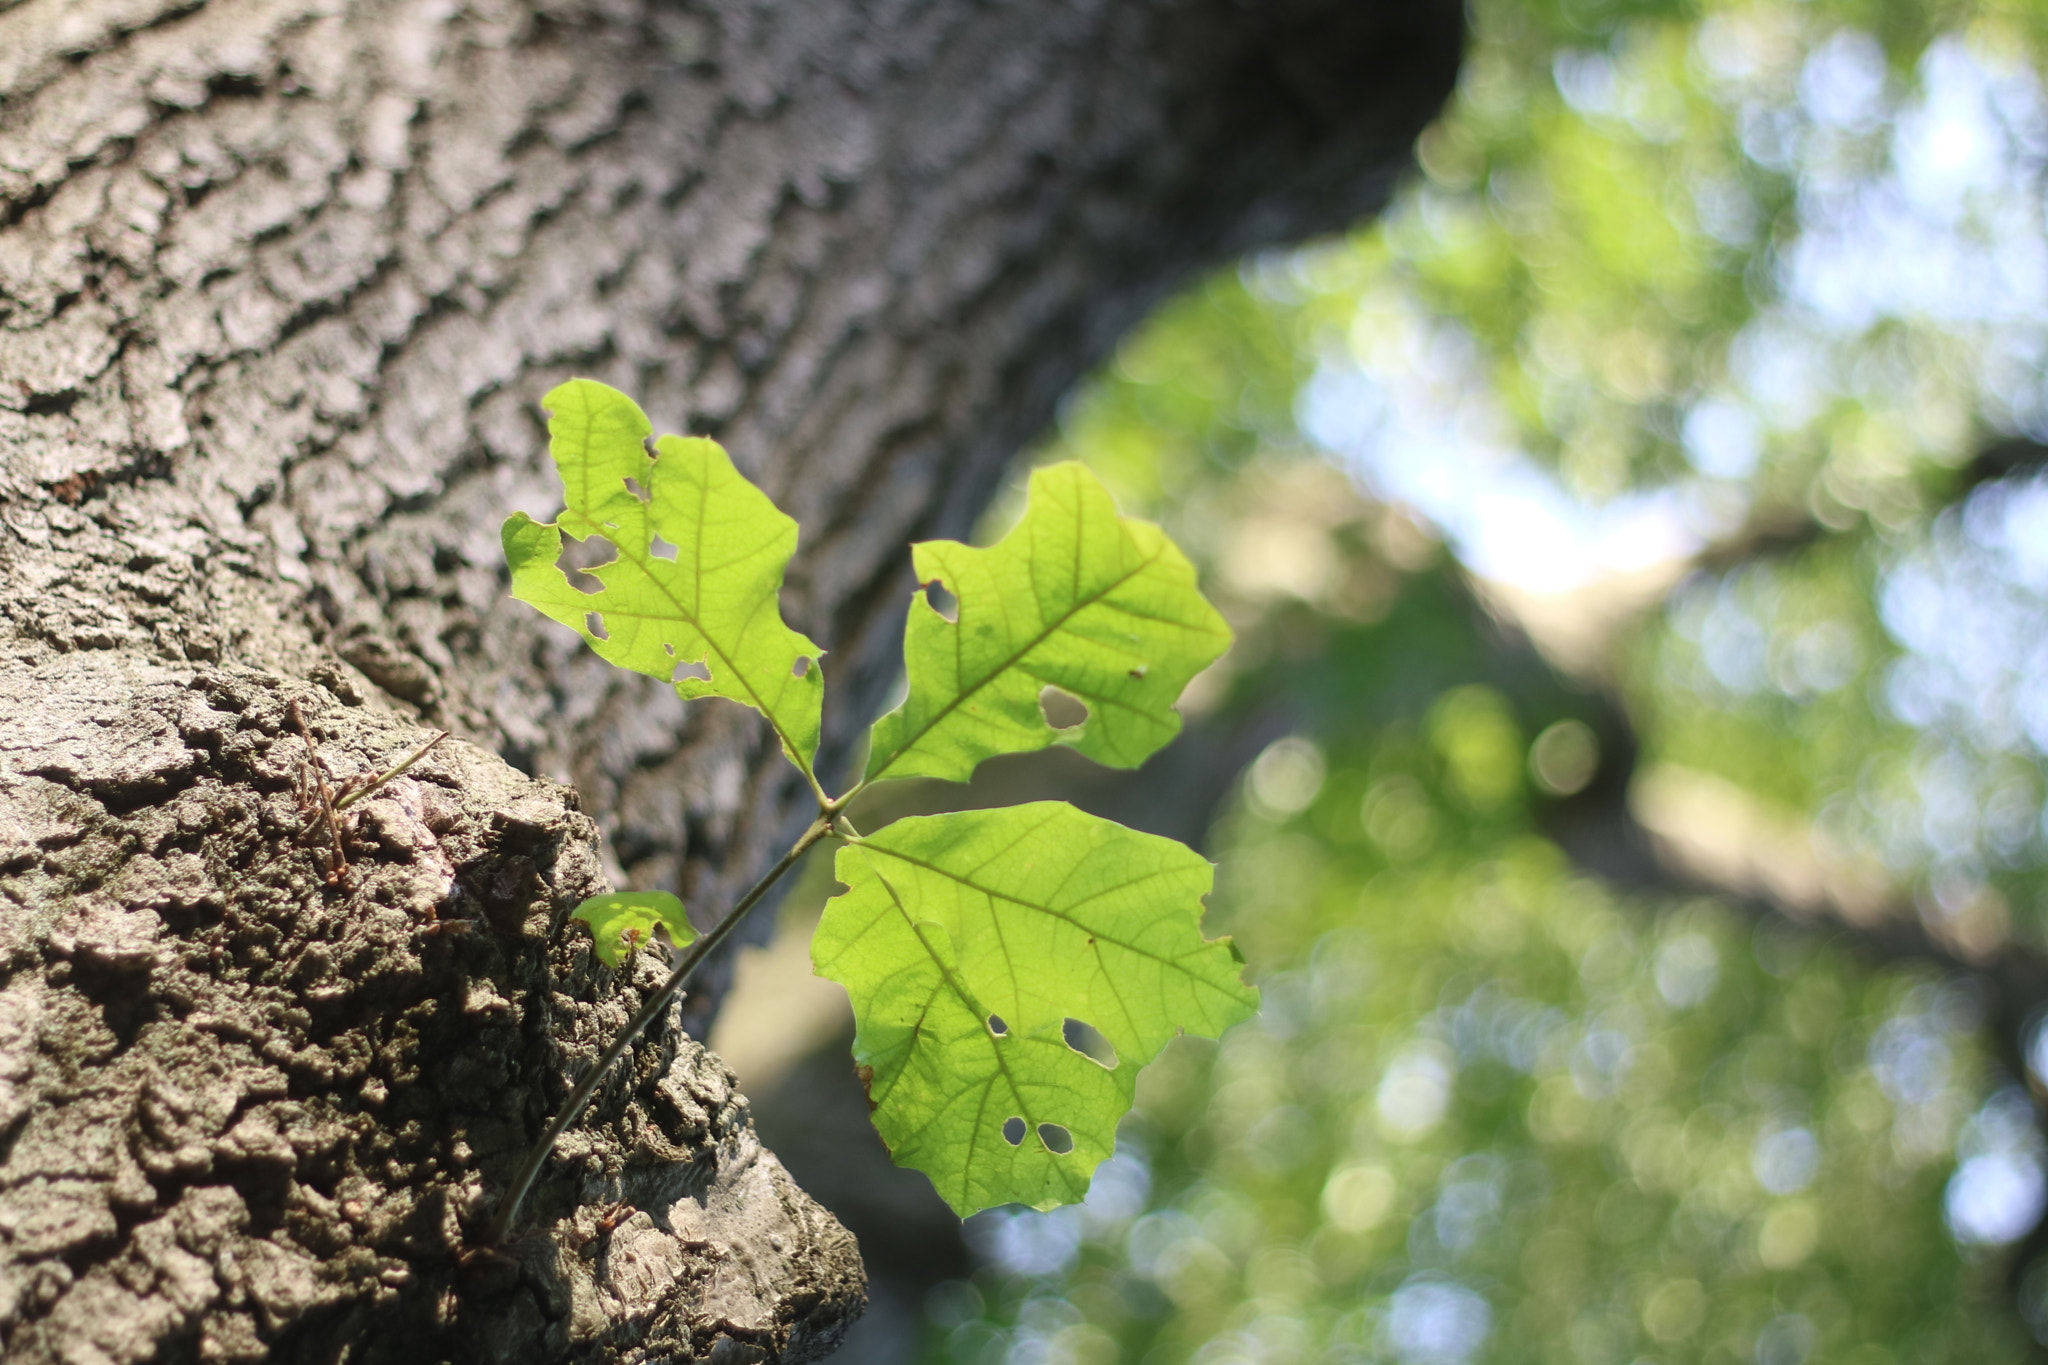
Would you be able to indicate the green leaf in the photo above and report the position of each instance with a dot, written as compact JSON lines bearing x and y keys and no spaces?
{"x":968,"y":940}
{"x":711,"y":601}
{"x":623,"y":920}
{"x":1102,"y":607}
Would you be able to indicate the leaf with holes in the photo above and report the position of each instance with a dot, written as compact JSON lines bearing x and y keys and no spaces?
{"x":692,"y":594}
{"x":622,"y":921}
{"x":1075,"y":600}
{"x":982,"y":949}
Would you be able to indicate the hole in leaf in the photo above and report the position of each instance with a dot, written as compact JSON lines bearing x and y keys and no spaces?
{"x":1139,"y":671}
{"x":580,"y":557}
{"x":997,"y":1026}
{"x":633,"y":487}
{"x":661,"y":549}
{"x":942,"y":600}
{"x":1087,"y":1040}
{"x":802,"y":666}
{"x":1057,"y":1140}
{"x":1063,"y":710}
{"x":1013,"y":1132}
{"x":594,"y":622}
{"x":688,"y":669}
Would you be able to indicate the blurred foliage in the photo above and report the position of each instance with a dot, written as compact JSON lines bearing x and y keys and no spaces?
{"x":1491,"y":1113}
{"x":1650,"y":219}
{"x":1494,"y":1110}
{"x":1767,"y":278}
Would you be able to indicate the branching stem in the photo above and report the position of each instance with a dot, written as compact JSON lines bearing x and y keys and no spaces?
{"x":579,"y":1099}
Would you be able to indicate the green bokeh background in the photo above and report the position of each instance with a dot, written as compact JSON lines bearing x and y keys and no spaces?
{"x":1772,"y":271}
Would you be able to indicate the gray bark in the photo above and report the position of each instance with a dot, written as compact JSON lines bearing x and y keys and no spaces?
{"x":281,"y":282}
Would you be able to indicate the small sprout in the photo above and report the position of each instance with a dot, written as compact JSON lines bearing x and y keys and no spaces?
{"x":1014,"y":648}
{"x":621,"y":921}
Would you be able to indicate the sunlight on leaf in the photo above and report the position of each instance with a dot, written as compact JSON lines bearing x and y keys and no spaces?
{"x":622,"y":921}
{"x":692,"y":596}
{"x":1103,"y":608}
{"x":969,"y":943}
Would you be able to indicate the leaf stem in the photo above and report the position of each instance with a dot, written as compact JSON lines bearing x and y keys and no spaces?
{"x":579,"y":1099}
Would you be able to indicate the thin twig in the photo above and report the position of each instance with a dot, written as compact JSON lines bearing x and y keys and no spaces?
{"x":656,"y":1004}
{"x":380,"y":779}
{"x":324,"y":789}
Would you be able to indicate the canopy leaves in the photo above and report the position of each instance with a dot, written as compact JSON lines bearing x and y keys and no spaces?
{"x":1103,"y":608}
{"x":622,"y":921}
{"x":692,"y":596}
{"x":969,"y":941}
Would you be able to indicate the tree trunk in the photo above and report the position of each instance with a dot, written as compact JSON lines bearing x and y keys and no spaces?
{"x":281,"y":282}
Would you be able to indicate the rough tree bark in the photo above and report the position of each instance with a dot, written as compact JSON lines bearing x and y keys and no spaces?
{"x":280,"y":284}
